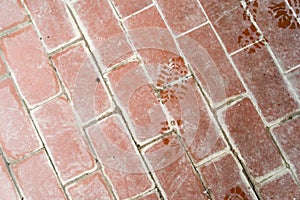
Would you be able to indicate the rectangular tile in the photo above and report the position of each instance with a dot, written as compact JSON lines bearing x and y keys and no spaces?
{"x":204,"y":52}
{"x":53,"y":22}
{"x":102,"y":27}
{"x":266,"y":83}
{"x":154,"y":43}
{"x":90,"y":188}
{"x":174,"y":172}
{"x":7,"y":189}
{"x":199,"y":131}
{"x":37,"y":178}
{"x":11,"y":14}
{"x":288,"y":136}
{"x":224,"y":179}
{"x":251,"y":138}
{"x":34,"y":74}
{"x":137,"y":99}
{"x":122,"y":163}
{"x":231,"y":23}
{"x":18,"y":136}
{"x":128,"y":7}
{"x":283,"y":187}
{"x":281,"y":29}
{"x":66,"y":143}
{"x":182,"y":15}
{"x":78,"y":72}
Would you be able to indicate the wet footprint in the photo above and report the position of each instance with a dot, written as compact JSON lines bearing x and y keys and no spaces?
{"x":284,"y":15}
{"x":252,"y":6}
{"x":236,"y":193}
{"x":251,"y":35}
{"x":173,"y":71}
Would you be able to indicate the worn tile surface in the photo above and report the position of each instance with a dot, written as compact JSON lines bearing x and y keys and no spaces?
{"x":149,"y":99}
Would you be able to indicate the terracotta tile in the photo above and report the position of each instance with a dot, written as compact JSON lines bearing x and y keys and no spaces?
{"x":281,"y":188}
{"x":17,"y":134}
{"x":174,"y":172}
{"x":11,"y":14}
{"x":7,"y":188}
{"x":265,"y":82}
{"x":182,"y":15}
{"x":138,"y":100}
{"x":53,"y":21}
{"x":103,"y":29}
{"x":141,"y":20}
{"x":227,"y":18}
{"x":150,"y":34}
{"x":199,"y":132}
{"x":77,"y":71}
{"x":128,"y":7}
{"x":251,"y":138}
{"x":41,"y":185}
{"x":224,"y":179}
{"x":2,"y":67}
{"x":203,"y":50}
{"x":34,"y":74}
{"x":115,"y":150}
{"x":288,"y":136}
{"x":294,"y":78}
{"x":91,"y":188}
{"x":66,"y":143}
{"x":151,"y":196}
{"x":283,"y":38}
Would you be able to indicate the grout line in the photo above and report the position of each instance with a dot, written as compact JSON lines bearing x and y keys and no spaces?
{"x":135,"y":13}
{"x":143,"y":194}
{"x":271,"y":175}
{"x":191,"y":30}
{"x":279,"y":174}
{"x":64,"y":46}
{"x":12,"y":174}
{"x":14,"y":29}
{"x":213,"y":157}
{"x":292,"y":69}
{"x":247,"y":46}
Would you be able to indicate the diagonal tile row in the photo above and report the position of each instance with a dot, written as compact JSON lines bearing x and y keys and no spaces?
{"x":53,"y":86}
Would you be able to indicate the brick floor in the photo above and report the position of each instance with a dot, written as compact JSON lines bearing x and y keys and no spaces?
{"x":149,"y":99}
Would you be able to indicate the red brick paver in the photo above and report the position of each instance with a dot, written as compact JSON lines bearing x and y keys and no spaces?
{"x":91,"y":188}
{"x":53,"y":21}
{"x":225,"y":180}
{"x":7,"y":189}
{"x":288,"y":136}
{"x":252,"y":139}
{"x":149,"y":99}
{"x":18,"y":49}
{"x":11,"y":13}
{"x":36,"y":178}
{"x":78,"y":73}
{"x":66,"y":142}
{"x":122,"y":163}
{"x":18,"y":137}
{"x":286,"y":184}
